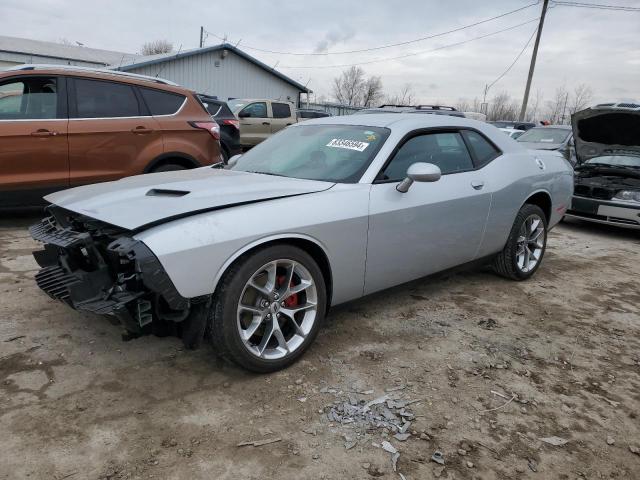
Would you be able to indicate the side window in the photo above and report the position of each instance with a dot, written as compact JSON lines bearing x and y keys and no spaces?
{"x":254,"y":110}
{"x":281,"y":110}
{"x":446,"y":150}
{"x":483,"y":151}
{"x":161,"y":103}
{"x":29,"y":99}
{"x":100,"y":99}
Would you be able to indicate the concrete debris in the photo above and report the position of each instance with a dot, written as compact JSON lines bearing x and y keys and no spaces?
{"x":610,"y":440}
{"x":634,"y":449}
{"x":555,"y":441}
{"x":401,"y":437}
{"x":387,"y":447}
{"x":378,"y":414}
{"x":394,"y":461}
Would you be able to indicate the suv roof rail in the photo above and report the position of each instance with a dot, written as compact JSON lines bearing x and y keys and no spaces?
{"x":420,"y":107}
{"x":91,"y":69}
{"x":436,"y":107}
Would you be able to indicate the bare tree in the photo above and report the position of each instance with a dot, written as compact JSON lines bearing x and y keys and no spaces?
{"x":372,"y":91}
{"x":555,"y":107}
{"x":581,"y":98}
{"x":405,"y":96}
{"x":348,"y":87}
{"x":156,"y":47}
{"x":502,"y":107}
{"x":534,"y":106}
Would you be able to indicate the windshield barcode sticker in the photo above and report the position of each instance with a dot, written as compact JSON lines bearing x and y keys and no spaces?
{"x":349,"y":144}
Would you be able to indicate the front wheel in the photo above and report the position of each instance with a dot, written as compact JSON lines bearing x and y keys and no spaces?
{"x":268,"y":308}
{"x":525,"y":246}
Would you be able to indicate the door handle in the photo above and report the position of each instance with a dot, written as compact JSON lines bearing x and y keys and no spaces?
{"x":266,"y":123}
{"x":141,"y":130}
{"x":477,"y":184}
{"x":44,"y":133}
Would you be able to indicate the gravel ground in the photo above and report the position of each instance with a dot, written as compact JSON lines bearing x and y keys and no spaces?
{"x":473,"y":366}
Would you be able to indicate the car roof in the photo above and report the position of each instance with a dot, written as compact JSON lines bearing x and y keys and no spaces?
{"x":401,"y":120}
{"x":93,"y":73}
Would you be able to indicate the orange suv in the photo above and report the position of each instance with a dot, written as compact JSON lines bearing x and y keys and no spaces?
{"x":66,"y":126}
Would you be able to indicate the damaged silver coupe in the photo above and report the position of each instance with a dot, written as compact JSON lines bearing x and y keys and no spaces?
{"x":327,"y":211}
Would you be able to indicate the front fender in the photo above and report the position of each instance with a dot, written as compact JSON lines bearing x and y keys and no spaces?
{"x":197,"y":250}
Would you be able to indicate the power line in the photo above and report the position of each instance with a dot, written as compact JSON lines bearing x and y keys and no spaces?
{"x":598,"y":6}
{"x":381,"y":47}
{"x":386,"y":59}
{"x":514,"y":61}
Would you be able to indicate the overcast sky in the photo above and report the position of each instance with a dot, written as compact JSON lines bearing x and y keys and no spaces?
{"x":597,"y":47}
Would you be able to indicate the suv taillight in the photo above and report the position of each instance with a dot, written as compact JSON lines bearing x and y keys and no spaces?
{"x":212,"y":127}
{"x":235,"y":123}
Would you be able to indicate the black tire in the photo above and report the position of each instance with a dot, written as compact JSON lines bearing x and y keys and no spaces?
{"x":506,"y":262}
{"x":225,"y":154}
{"x":167,"y":167}
{"x":222,"y":329}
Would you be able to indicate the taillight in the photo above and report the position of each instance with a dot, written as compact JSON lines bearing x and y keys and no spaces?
{"x":235,"y":123}
{"x":212,"y":127}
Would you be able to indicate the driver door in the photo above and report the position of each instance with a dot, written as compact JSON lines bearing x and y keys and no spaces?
{"x":433,"y":226}
{"x":255,"y":124}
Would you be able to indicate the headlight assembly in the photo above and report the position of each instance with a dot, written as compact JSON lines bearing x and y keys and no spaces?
{"x":628,"y":196}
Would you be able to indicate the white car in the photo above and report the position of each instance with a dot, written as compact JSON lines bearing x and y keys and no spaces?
{"x":512,"y":132}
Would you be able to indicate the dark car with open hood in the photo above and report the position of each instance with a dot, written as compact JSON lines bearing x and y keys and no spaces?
{"x":607,"y":176}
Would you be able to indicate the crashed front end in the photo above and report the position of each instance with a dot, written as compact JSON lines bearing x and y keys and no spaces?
{"x":99,"y":268}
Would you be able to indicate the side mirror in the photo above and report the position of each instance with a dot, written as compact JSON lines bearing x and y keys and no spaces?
{"x":233,"y":160}
{"x":419,"y":172}
{"x":244,"y":114}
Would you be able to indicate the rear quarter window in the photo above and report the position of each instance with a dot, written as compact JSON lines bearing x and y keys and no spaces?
{"x":281,"y":110}
{"x":103,"y":99}
{"x":162,"y":103}
{"x":483,"y":150}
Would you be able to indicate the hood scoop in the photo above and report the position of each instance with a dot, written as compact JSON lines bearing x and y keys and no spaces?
{"x":165,"y":192}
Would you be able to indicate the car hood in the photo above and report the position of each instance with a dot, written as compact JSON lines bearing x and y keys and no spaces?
{"x":540,"y":145}
{"x":142,"y":201}
{"x":602,"y":131}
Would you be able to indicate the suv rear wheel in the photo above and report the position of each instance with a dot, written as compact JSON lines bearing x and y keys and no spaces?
{"x":167,"y":167}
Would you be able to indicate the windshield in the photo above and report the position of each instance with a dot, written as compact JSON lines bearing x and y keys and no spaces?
{"x":544,"y":135}
{"x":236,"y":104}
{"x":615,"y":160}
{"x":331,"y":153}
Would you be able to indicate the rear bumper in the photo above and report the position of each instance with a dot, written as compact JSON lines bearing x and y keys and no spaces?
{"x":605,"y":212}
{"x":97,"y":273}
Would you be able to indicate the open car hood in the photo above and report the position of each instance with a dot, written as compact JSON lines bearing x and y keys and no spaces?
{"x":606,"y":130}
{"x":142,"y":201}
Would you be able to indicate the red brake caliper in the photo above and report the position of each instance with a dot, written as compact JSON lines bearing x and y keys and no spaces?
{"x":292,"y":300}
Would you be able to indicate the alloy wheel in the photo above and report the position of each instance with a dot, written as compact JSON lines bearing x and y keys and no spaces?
{"x":530,"y":243}
{"x":277,"y":309}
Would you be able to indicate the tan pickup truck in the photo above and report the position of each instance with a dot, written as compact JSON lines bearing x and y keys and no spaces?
{"x":261,"y":118}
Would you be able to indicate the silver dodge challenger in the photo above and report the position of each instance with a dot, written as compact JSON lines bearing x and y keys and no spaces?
{"x":250,"y":257}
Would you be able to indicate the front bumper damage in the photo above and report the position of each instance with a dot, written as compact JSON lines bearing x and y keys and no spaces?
{"x":95,"y":267}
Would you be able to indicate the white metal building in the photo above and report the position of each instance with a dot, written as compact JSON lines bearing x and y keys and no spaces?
{"x":222,"y":70}
{"x":18,"y":51}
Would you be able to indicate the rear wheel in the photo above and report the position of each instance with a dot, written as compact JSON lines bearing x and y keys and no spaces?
{"x":268,"y":308}
{"x":525,"y":246}
{"x":167,"y":167}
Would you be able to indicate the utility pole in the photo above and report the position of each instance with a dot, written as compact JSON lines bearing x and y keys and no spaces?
{"x":532,"y":67}
{"x":201,"y":37}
